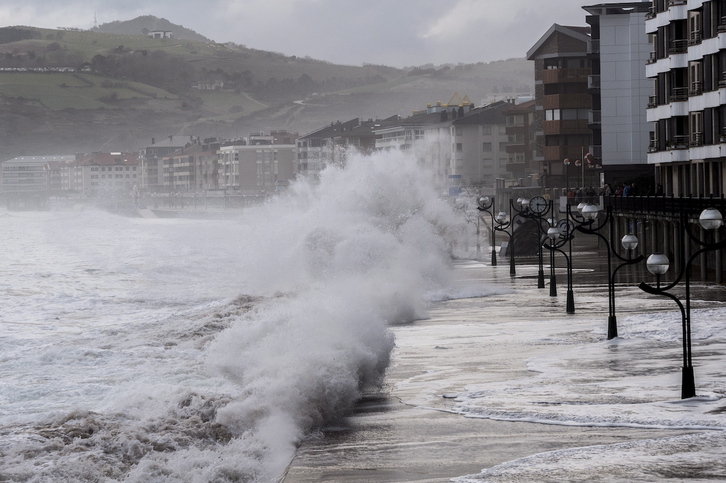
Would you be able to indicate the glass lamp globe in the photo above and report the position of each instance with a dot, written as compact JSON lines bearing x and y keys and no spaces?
{"x":581,"y":206}
{"x":657,"y":263}
{"x":553,"y":232}
{"x":501,"y":218}
{"x":710,"y":219}
{"x":589,"y":212}
{"x":629,"y":242}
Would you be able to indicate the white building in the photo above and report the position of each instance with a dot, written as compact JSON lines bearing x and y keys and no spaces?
{"x":687,"y":107}
{"x":27,"y":174}
{"x":620,"y":49}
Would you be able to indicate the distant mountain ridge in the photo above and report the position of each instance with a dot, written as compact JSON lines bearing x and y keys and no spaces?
{"x":149,"y":23}
{"x":120,"y":92}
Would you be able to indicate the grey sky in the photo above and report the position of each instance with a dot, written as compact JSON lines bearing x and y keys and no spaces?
{"x":390,"y":32}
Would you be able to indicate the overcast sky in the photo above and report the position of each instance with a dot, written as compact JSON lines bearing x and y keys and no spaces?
{"x":390,"y":32}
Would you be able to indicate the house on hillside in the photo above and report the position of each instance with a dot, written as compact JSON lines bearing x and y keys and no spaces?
{"x":161,"y":34}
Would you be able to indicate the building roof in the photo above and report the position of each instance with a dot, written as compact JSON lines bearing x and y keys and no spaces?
{"x":624,"y":8}
{"x":489,"y":114}
{"x":109,"y":159}
{"x":578,"y":33}
{"x":521,"y":107}
{"x":40,"y":159}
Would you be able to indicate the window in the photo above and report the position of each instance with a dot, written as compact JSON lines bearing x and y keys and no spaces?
{"x":459,"y":147}
{"x":486,"y":130}
{"x":486,"y":147}
{"x":552,"y":115}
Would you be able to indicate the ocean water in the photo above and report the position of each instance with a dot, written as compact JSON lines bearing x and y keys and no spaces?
{"x":182,"y":350}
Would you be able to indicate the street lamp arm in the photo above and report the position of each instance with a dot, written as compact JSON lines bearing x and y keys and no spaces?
{"x":663,"y":292}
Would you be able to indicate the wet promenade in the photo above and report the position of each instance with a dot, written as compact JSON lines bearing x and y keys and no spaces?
{"x":407,"y":432}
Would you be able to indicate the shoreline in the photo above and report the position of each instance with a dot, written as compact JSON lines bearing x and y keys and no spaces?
{"x":406,"y":433}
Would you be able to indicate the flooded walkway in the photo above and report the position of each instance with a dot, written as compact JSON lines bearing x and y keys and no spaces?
{"x":408,"y":432}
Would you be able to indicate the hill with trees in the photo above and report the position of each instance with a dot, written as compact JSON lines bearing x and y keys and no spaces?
{"x":113,"y":88}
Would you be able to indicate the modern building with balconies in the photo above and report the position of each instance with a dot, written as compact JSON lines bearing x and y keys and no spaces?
{"x":687,"y":107}
{"x":563,"y":103}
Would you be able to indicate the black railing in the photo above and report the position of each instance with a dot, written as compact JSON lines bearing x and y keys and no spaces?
{"x":665,"y":206}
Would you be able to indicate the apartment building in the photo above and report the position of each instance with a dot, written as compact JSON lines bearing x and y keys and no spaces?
{"x":97,"y":173}
{"x":687,"y":107}
{"x":479,"y":146}
{"x":193,"y":167}
{"x":152,"y":166}
{"x":562,"y":69}
{"x":330,"y":144}
{"x":256,"y":168}
{"x":520,"y":148}
{"x":619,"y":50}
{"x":28,"y":176}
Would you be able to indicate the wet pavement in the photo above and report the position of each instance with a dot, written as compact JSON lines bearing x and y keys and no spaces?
{"x":405,"y":433}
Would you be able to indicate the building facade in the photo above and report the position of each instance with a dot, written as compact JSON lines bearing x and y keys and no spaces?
{"x":521,"y":140}
{"x":479,"y":146}
{"x":252,"y":169}
{"x":619,"y":50}
{"x":687,"y":107}
{"x":563,"y":103}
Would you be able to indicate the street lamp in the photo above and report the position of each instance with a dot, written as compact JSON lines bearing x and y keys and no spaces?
{"x":535,"y":209}
{"x":658,"y":264}
{"x":566,"y":162}
{"x":588,"y":215}
{"x":485,"y":205}
{"x":501,"y":225}
{"x":559,"y":234}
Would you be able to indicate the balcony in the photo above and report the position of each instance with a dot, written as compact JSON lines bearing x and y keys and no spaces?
{"x":594,"y":46}
{"x":594,"y":118}
{"x":573,"y":126}
{"x":695,"y":37}
{"x":593,"y":82}
{"x":651,"y":13}
{"x":679,"y":141}
{"x":696,"y":139}
{"x":567,"y":101}
{"x":722,"y":80}
{"x":652,"y":58}
{"x":555,"y":76}
{"x":652,"y":102}
{"x":558,"y":153}
{"x":722,"y":25}
{"x":696,"y":89}
{"x":678,"y":94}
{"x":679,"y":46}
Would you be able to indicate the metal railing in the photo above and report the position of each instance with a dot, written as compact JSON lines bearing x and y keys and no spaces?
{"x":663,"y":206}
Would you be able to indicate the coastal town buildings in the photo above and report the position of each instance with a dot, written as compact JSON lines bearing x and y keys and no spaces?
{"x":687,"y":108}
{"x":331,"y":144}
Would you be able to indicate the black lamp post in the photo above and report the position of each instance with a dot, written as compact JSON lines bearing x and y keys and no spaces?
{"x":558,"y":235}
{"x":566,"y":162}
{"x":485,"y":205}
{"x":534,"y":209}
{"x":502,"y":224}
{"x":588,"y":215}
{"x":658,"y":264}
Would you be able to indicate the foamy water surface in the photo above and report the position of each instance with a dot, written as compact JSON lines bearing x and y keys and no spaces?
{"x":204,"y":350}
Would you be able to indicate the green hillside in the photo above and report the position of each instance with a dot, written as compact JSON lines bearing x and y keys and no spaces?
{"x":72,"y":91}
